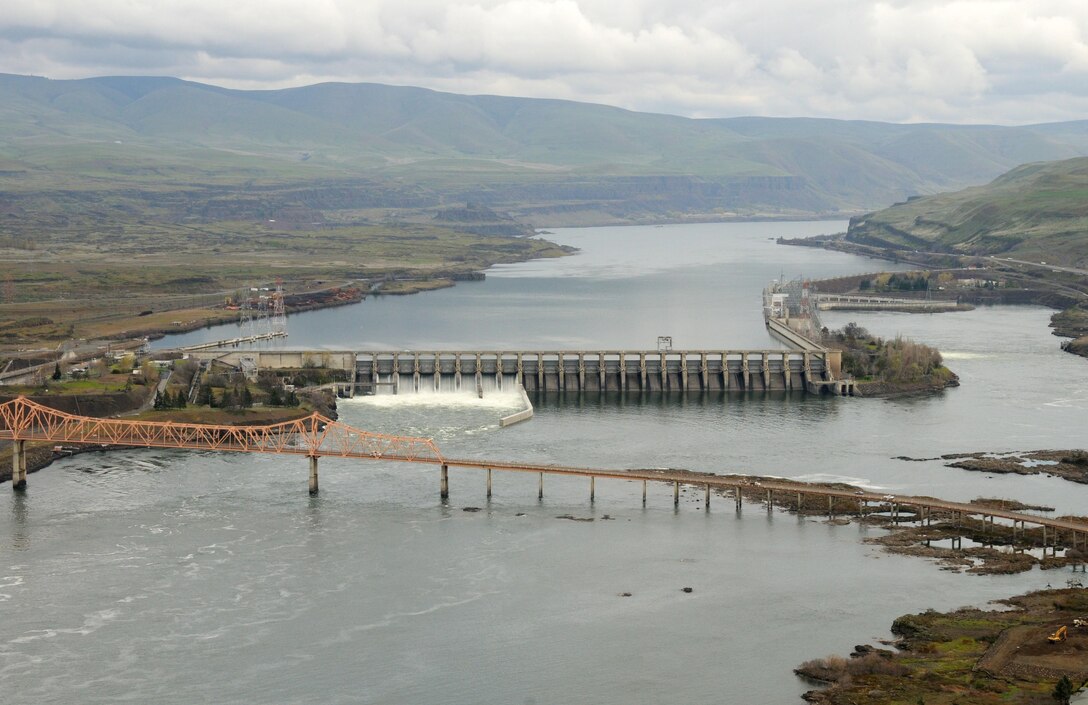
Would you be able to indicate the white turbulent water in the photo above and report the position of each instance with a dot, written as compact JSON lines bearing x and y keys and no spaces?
{"x":156,"y":576}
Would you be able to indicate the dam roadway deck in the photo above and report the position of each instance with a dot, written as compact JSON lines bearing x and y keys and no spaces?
{"x":814,"y":370}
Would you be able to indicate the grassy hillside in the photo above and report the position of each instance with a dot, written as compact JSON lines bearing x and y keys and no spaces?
{"x":1036,"y":212}
{"x":541,"y":159}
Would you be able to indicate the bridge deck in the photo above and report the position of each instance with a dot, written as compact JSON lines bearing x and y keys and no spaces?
{"x":314,"y":436}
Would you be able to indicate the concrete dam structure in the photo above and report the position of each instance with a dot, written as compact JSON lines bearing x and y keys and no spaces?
{"x":649,"y":371}
{"x":596,"y":371}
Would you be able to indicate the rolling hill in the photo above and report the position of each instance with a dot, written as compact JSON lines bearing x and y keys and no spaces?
{"x":1036,"y":212}
{"x":168,"y":147}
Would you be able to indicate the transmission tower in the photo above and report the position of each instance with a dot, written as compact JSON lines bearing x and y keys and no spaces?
{"x":261,"y":325}
{"x":279,"y":312}
{"x":245,"y":314}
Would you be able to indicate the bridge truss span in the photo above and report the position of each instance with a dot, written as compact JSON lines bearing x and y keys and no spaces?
{"x":22,"y":420}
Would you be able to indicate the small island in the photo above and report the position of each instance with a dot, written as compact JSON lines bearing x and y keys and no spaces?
{"x":889,"y":367}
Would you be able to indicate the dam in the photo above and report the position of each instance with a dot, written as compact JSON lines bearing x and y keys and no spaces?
{"x":816,"y":370}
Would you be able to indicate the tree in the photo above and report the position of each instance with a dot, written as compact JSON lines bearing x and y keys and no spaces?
{"x":274,"y":397}
{"x":1063,"y":691}
{"x":179,"y":399}
{"x":247,"y":398}
{"x":56,"y":372}
{"x":159,"y":402}
{"x":292,"y":399}
{"x":204,"y":396}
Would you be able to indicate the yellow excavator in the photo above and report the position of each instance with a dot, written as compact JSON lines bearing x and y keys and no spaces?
{"x":1059,"y":635}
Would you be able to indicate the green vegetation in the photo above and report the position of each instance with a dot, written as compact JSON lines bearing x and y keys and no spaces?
{"x":898,"y":361}
{"x":94,"y":279}
{"x":965,"y":656}
{"x":1036,"y":212}
{"x":231,"y":154}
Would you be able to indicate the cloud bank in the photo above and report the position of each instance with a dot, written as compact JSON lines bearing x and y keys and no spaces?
{"x":988,"y":61}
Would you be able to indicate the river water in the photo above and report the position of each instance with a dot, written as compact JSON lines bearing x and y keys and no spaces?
{"x":177,"y":577}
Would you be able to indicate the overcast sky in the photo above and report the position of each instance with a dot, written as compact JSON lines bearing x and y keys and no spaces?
{"x":989,"y":61}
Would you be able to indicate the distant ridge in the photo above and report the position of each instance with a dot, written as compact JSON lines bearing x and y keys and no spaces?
{"x":548,"y":161}
{"x":1036,"y":212}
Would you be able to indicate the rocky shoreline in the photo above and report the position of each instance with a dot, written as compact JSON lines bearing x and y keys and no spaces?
{"x":891,"y":390}
{"x":1071,"y":465}
{"x":969,"y":655}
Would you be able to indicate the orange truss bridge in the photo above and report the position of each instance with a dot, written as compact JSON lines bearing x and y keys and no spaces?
{"x":24,"y":420}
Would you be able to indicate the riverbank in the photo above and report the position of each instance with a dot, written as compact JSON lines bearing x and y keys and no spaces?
{"x":992,"y":281}
{"x":182,"y":285}
{"x":968,"y":655}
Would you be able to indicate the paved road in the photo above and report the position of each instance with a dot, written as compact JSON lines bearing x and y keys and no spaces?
{"x":1040,"y":265}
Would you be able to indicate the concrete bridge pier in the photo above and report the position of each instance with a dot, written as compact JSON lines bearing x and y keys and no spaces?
{"x":737,"y":497}
{"x":745,"y":381}
{"x":704,"y":374}
{"x":644,"y":493}
{"x":602,"y":380}
{"x":313,"y":475}
{"x":457,"y":373}
{"x":581,"y":372}
{"x":18,"y":466}
{"x":489,"y":483}
{"x":786,"y":381}
{"x":676,"y":494}
{"x":623,"y":372}
{"x":641,"y":372}
{"x":707,"y":499}
{"x":592,"y":488}
{"x":444,"y":485}
{"x":396,"y":374}
{"x":540,"y":488}
{"x":562,"y":372}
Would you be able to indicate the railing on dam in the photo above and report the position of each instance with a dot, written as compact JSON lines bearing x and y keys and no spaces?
{"x":597,"y":371}
{"x":812,"y":370}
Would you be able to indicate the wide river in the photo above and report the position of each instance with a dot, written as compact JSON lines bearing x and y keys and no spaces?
{"x":173,"y":577}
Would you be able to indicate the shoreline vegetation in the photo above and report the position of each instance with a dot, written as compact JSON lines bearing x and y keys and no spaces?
{"x":968,"y":655}
{"x":893,"y":367}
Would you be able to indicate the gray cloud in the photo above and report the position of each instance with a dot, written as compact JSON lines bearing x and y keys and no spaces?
{"x":1005,"y":61}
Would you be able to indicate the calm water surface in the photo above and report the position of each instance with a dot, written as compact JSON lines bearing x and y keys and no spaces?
{"x":156,"y":576}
